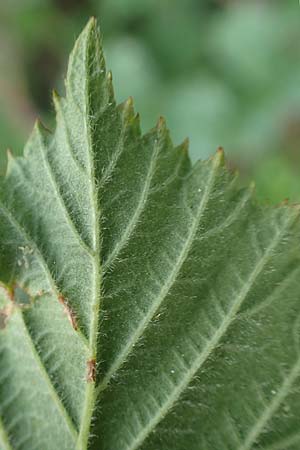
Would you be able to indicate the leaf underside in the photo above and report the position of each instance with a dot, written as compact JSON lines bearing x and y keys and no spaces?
{"x":144,"y":303}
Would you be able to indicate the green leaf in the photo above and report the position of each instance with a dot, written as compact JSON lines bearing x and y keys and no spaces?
{"x":144,"y":303}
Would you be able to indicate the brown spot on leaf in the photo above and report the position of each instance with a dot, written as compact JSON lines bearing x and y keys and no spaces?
{"x":3,"y":319}
{"x":22,"y":297}
{"x":18,"y":297}
{"x":5,"y":314}
{"x":68,"y":311}
{"x":8,"y":292}
{"x":91,"y":371}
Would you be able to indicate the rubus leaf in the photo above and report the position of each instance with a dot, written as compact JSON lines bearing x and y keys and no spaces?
{"x":144,"y":303}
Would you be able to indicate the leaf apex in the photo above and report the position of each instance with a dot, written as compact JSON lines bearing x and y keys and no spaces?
{"x":91,"y":26}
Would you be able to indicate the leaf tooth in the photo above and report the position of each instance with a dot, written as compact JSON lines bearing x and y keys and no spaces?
{"x":10,"y":162}
{"x":183,"y":149}
{"x":161,"y":128}
{"x":137,"y":120}
{"x":56,"y":99}
{"x":109,"y":76}
{"x":219,"y":157}
{"x":182,"y":153}
{"x":42,"y":134}
{"x":41,"y":128}
{"x":110,"y":87}
{"x":161,"y":123}
{"x":129,"y":102}
{"x":252,"y":186}
{"x":185,"y":145}
{"x":163,"y":137}
{"x":9,"y":154}
{"x":127,"y":110}
{"x":129,"y":117}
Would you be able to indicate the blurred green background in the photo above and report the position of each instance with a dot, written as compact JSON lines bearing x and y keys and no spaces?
{"x":223,"y":72}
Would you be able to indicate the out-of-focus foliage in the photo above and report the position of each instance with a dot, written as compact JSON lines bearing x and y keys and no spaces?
{"x":222,"y":72}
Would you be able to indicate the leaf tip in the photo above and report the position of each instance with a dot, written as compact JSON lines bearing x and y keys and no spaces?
{"x":92,"y":25}
{"x":93,"y":21}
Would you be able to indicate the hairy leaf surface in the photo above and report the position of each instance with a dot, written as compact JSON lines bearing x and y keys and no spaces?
{"x":144,"y":303}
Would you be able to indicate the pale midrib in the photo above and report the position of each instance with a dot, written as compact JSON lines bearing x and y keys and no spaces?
{"x":137,"y":213}
{"x":58,"y":196}
{"x":52,"y":391}
{"x":39,"y":256}
{"x":4,"y":440}
{"x":90,"y":397}
{"x":209,"y":348}
{"x":279,"y":397}
{"x":124,"y":354}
